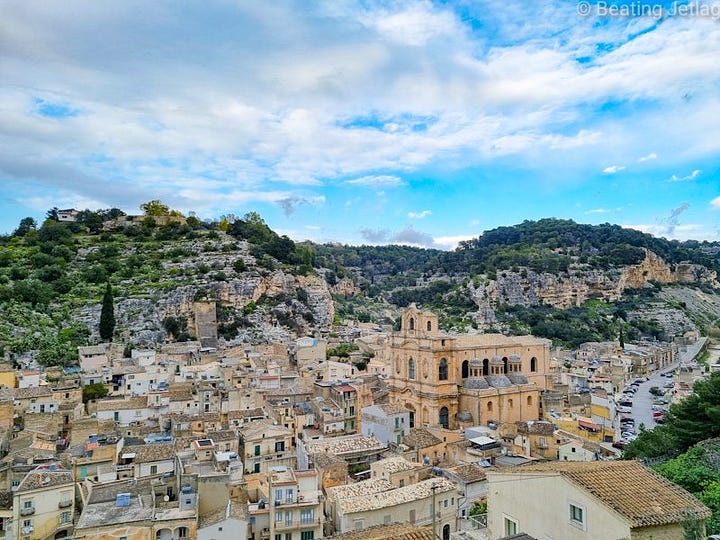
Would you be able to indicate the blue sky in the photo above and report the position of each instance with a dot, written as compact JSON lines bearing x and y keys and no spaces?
{"x":366,"y":122}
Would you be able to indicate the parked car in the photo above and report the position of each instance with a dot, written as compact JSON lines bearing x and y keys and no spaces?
{"x":619,"y":444}
{"x":624,"y":409}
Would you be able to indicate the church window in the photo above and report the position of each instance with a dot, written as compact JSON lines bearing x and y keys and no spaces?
{"x":443,"y":370}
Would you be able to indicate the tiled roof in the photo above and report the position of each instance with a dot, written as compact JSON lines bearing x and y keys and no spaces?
{"x":395,"y":464}
{"x":223,"y":435}
{"x":181,"y":391}
{"x":420,"y":438}
{"x":469,"y":473}
{"x":642,"y":496}
{"x":32,"y":392}
{"x":146,"y":453}
{"x":347,"y":444}
{"x":139,"y":402}
{"x":394,"y":497}
{"x":43,"y":478}
{"x":322,"y":460}
{"x":537,"y":427}
{"x":367,"y":487}
{"x":396,"y":531}
{"x":392,"y":408}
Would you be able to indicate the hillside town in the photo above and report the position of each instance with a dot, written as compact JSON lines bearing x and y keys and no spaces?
{"x":366,"y":432}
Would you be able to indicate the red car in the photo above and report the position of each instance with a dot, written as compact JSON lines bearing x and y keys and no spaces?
{"x":619,"y":444}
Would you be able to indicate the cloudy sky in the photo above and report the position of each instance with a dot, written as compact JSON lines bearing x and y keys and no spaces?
{"x":365,"y":122}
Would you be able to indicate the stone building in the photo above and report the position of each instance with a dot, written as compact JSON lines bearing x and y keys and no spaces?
{"x":441,"y":378}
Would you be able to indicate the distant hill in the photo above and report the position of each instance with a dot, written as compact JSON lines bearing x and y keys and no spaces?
{"x":555,"y":278}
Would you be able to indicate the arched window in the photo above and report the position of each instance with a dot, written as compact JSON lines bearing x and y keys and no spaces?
{"x":490,"y":406}
{"x":443,"y":370}
{"x":446,"y":532}
{"x":429,"y":326}
{"x":529,"y":401}
{"x":464,"y":370}
{"x":444,"y":417}
{"x":533,"y":364}
{"x":412,"y":323}
{"x":505,"y":364}
{"x":411,"y":369}
{"x":510,"y":403}
{"x":486,"y":367}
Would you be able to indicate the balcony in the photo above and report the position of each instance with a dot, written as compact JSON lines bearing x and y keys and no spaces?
{"x":65,"y":503}
{"x":27,"y":511}
{"x":297,"y":524}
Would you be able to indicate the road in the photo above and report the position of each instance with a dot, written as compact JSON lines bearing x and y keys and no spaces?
{"x":642,"y":402}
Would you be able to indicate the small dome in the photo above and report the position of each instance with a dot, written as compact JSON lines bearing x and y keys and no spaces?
{"x":514,"y":357}
{"x":496,"y":360}
{"x":475,"y":362}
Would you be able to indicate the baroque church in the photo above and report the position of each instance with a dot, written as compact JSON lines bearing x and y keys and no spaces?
{"x":448,"y":380}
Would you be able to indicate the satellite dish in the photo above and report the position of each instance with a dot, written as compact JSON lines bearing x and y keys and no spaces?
{"x":166,"y":498}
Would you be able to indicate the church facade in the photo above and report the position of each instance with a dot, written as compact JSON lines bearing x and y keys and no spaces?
{"x":452,"y":379}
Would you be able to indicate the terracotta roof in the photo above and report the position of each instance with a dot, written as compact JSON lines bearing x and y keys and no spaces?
{"x":539,"y":427}
{"x":392,"y":408}
{"x":469,"y":473}
{"x":146,"y":453}
{"x":139,"y":402}
{"x":393,"y":497}
{"x":394,"y":464}
{"x":43,"y":478}
{"x":347,"y":444}
{"x":181,"y":391}
{"x":639,"y":494}
{"x":222,"y":435}
{"x":32,"y":392}
{"x":396,"y":531}
{"x":420,"y":438}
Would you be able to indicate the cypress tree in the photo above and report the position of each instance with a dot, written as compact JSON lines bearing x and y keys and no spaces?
{"x":107,"y":315}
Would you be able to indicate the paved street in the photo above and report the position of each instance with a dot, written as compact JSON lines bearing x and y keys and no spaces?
{"x":642,"y":403}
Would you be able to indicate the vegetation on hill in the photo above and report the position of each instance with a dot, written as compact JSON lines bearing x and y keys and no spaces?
{"x":52,"y":271}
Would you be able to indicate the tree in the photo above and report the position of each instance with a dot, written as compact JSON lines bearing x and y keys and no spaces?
{"x":94,"y":391}
{"x":107,"y":315}
{"x":52,"y":213}
{"x":155,"y":208}
{"x":26,"y":225}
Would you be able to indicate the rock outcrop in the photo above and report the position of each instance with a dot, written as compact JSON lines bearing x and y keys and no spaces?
{"x":581,"y":284}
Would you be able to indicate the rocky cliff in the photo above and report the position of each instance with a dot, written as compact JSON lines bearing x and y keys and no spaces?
{"x":581,"y":284}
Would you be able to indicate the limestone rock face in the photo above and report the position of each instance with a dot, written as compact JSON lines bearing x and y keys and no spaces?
{"x":345,"y":287}
{"x":250,"y":287}
{"x":579,"y":284}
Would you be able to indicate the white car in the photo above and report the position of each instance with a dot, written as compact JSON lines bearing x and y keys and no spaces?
{"x":624,"y":409}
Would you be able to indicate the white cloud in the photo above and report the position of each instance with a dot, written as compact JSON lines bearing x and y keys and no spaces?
{"x":649,"y":157}
{"x":715,"y":203}
{"x":269,"y":131}
{"x":419,"y":215}
{"x":376,"y":181}
{"x":451,"y":242}
{"x":604,"y":210}
{"x":692,"y":176}
{"x":688,"y":231}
